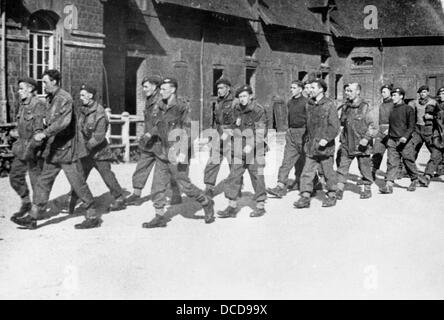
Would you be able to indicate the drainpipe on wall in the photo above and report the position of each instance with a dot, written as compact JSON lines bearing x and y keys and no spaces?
{"x":3,"y":94}
{"x":381,"y":48}
{"x":202,"y":80}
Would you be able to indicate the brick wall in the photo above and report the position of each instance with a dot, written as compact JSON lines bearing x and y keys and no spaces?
{"x":78,"y":54}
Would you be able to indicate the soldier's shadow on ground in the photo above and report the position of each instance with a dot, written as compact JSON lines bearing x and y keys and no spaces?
{"x":54,"y":215}
{"x":189,"y":208}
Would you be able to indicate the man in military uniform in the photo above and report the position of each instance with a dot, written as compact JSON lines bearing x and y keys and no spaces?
{"x":30,"y":121}
{"x":323,"y":127}
{"x":222,"y":120}
{"x":293,"y":152}
{"x":93,"y":124}
{"x":437,"y":146}
{"x":62,"y":152}
{"x":381,"y":140}
{"x":424,"y":107}
{"x":148,"y":141}
{"x":250,"y":131}
{"x":172,"y":157}
{"x":401,"y":127}
{"x":360,"y":127}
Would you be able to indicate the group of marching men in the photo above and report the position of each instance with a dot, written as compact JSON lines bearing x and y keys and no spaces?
{"x":55,"y":135}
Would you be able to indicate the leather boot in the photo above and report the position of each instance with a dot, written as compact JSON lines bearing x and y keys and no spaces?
{"x":302,"y":203}
{"x":25,"y":207}
{"x":366,"y":192}
{"x":209,"y":212}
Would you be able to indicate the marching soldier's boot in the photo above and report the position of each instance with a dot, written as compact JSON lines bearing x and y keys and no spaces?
{"x":340,"y":194}
{"x":159,"y":221}
{"x":209,"y":212}
{"x":229,"y":212}
{"x":134,"y":200}
{"x":303,"y":202}
{"x":118,"y":205}
{"x":259,"y":211}
{"x":25,"y":207}
{"x":427,"y":180}
{"x":30,"y":221}
{"x":27,"y":222}
{"x":91,"y":221}
{"x":413,"y":186}
{"x":424,"y":180}
{"x":387,"y":189}
{"x":366,"y":191}
{"x":330,"y":201}
{"x":278,"y":192}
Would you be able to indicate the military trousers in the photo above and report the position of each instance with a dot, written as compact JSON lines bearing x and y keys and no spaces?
{"x":214,"y":163}
{"x":379,"y":149}
{"x":17,"y":175}
{"x":103,"y":167}
{"x":397,"y":153}
{"x":293,"y":155}
{"x":143,"y":169}
{"x":311,"y":168}
{"x":436,"y":158}
{"x":422,"y":135}
{"x":364,"y":165}
{"x":75,"y":178}
{"x":234,"y":182}
{"x":166,"y":173}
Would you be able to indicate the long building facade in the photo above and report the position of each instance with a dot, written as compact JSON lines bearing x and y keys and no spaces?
{"x":266,"y":43}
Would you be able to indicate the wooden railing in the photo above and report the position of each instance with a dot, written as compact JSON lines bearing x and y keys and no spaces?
{"x":126,"y":140}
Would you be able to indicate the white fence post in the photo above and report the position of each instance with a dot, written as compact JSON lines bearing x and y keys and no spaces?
{"x":108,"y":132}
{"x":126,"y":136}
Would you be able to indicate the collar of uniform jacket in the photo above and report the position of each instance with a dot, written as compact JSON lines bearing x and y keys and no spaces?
{"x":26,"y":102}
{"x":153,"y":98}
{"x":51,"y":96}
{"x":424,"y":101}
{"x":318,"y":103}
{"x":90,"y":108}
{"x":355,"y":104}
{"x":248,"y":108}
{"x":171,"y":103}
{"x":228,"y":97}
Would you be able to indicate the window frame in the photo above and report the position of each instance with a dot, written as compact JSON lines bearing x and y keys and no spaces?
{"x":34,"y":63}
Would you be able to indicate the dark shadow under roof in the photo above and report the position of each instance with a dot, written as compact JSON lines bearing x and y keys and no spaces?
{"x":237,"y":8}
{"x":291,"y":14}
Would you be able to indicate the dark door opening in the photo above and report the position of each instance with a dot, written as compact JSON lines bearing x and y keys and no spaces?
{"x":131,"y":67}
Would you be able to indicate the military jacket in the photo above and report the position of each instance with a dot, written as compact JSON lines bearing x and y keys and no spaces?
{"x":360,"y":121}
{"x":322,"y":123}
{"x":93,"y":124}
{"x":30,"y":121}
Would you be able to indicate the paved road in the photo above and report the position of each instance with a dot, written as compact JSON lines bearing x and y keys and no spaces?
{"x":387,"y":247}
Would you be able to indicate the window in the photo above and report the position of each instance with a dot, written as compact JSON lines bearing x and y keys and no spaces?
{"x":302,"y":75}
{"x":250,"y":51}
{"x":41,"y":44}
{"x":217,"y":74}
{"x":339,"y":85}
{"x":362,"y":62}
{"x":250,"y":77}
{"x":41,"y":56}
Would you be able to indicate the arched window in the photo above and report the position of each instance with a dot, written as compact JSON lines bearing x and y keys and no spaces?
{"x":41,"y":25}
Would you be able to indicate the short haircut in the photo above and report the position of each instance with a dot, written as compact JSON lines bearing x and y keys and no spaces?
{"x":299,"y":83}
{"x":54,"y":75}
{"x":321,"y":84}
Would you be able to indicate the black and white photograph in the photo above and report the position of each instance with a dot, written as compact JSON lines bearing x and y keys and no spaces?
{"x":220,"y":150}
